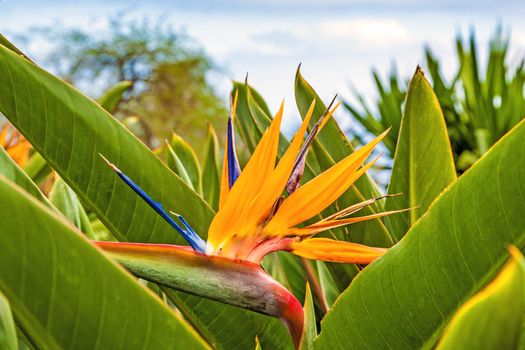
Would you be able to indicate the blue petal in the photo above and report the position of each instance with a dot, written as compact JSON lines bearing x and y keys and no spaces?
{"x":196,"y":242}
{"x":185,"y":223}
{"x":234,"y":170}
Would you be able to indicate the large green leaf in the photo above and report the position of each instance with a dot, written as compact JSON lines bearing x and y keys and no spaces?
{"x":10,"y":46}
{"x":423,"y":162}
{"x":8,"y":339}
{"x":493,"y":318}
{"x":404,"y":299}
{"x":66,"y":294}
{"x":70,"y":131}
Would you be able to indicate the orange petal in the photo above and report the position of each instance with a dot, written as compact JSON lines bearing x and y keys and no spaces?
{"x":316,"y":195}
{"x":3,"y":135}
{"x":19,"y":150}
{"x":274,"y":185}
{"x":226,"y":223}
{"x":327,"y":118}
{"x":337,"y":251}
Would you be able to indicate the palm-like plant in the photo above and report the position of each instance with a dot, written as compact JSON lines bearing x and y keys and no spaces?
{"x":65,"y":292}
{"x":479,"y":104}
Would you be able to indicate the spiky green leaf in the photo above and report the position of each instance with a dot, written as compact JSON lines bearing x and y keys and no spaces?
{"x":405,"y":298}
{"x":423,"y":163}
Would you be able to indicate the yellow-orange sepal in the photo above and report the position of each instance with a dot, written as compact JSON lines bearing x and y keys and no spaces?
{"x":336,"y":251}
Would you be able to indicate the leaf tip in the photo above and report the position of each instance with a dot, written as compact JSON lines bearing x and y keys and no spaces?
{"x":298,"y":72}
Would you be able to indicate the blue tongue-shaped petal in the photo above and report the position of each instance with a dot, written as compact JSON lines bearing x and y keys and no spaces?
{"x":234,"y":170}
{"x":196,"y":242}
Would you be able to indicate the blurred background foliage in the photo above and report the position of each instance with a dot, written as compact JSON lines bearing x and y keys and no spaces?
{"x":480,"y":103}
{"x":168,"y":74}
{"x":159,"y":80}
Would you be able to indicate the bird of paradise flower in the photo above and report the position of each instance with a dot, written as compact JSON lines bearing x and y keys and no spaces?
{"x":260,"y":210}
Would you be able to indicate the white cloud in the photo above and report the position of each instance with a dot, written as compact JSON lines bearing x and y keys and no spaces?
{"x":368,"y":31}
{"x":336,"y":46}
{"x":325,"y":35}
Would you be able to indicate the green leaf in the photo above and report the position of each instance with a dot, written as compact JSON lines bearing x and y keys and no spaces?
{"x":37,"y":168}
{"x":188,"y":162}
{"x":423,"y":162}
{"x":66,"y":294}
{"x":70,"y":131}
{"x":258,"y":99}
{"x":327,"y":284}
{"x":404,"y":299}
{"x":6,"y":43}
{"x":8,"y":339}
{"x":113,"y":95}
{"x":210,"y":170}
{"x":252,"y":114}
{"x":175,"y":163}
{"x":227,"y":327}
{"x":257,"y":344}
{"x":12,"y":171}
{"x":23,"y":341}
{"x":310,"y":328}
{"x":493,"y":318}
{"x":331,"y":137}
{"x":288,"y":270}
{"x":244,"y":121}
{"x":66,"y":201}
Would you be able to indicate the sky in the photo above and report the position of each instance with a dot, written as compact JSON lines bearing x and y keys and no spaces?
{"x":336,"y":41}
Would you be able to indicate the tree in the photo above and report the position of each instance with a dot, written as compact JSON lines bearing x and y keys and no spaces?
{"x":169,"y":75}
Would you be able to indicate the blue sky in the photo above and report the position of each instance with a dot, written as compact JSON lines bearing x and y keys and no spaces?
{"x":336,"y":41}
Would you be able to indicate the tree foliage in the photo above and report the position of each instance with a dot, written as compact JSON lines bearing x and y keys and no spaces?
{"x":169,"y":74}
